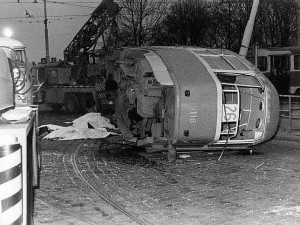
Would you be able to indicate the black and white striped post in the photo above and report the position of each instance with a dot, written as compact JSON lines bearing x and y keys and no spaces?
{"x":11,"y":209}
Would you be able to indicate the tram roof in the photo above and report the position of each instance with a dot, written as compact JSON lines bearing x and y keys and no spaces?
{"x":279,"y":51}
{"x":11,"y":43}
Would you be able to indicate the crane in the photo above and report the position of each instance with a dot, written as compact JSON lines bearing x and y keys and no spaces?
{"x":85,"y":41}
{"x":87,"y":37}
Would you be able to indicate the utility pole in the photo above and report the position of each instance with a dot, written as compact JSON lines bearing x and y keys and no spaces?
{"x":141,"y":23}
{"x":46,"y":30}
{"x":249,"y":29}
{"x":46,"y":33}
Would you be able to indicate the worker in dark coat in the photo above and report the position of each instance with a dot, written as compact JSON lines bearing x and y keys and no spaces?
{"x":111,"y":87}
{"x":111,"y":84}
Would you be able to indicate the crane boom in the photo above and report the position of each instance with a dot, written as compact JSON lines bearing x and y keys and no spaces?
{"x":88,"y":35}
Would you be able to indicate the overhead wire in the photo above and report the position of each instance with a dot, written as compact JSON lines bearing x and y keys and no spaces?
{"x":50,"y":18}
{"x":26,"y":12}
{"x":71,"y":4}
{"x":34,"y":19}
{"x":22,"y":17}
{"x":81,"y":2}
{"x":15,"y":2}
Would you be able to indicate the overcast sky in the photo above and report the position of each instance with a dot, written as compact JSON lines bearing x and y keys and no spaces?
{"x":26,"y":19}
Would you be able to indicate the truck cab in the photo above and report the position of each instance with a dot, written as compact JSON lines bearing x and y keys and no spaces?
{"x":16,"y":54}
{"x":18,"y":128}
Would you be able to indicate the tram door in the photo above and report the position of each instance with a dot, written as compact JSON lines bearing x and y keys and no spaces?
{"x":280,"y":72}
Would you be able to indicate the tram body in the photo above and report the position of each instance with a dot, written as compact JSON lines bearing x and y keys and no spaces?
{"x":193,"y":98}
{"x":282,"y":67}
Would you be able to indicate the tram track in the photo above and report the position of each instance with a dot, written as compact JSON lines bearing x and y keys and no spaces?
{"x":108,"y":175}
{"x":50,"y":198}
{"x":194,"y":190}
{"x":62,"y":209}
{"x":137,"y":179}
{"x":81,"y":174}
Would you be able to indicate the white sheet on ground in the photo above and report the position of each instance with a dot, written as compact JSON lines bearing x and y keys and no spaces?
{"x":91,"y":125}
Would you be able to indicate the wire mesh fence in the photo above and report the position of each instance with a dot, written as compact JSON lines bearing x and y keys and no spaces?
{"x":290,"y":112}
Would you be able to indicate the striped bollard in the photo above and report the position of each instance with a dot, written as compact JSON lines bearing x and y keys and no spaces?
{"x":11,"y":211}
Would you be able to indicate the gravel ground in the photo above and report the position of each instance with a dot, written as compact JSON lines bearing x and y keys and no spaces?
{"x":196,"y":189}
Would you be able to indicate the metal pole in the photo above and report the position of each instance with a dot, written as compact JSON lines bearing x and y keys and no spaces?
{"x":249,"y":29}
{"x":298,"y":22}
{"x":290,"y":114}
{"x":256,"y":54}
{"x":141,"y":23}
{"x":46,"y":33}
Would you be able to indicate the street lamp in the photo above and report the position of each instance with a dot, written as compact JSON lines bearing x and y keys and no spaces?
{"x":8,"y":32}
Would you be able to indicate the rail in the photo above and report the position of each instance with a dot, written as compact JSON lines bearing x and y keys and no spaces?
{"x":290,"y":110}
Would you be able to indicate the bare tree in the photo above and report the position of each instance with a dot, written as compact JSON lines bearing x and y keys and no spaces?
{"x":186,"y":23}
{"x":276,"y":23}
{"x":138,"y":19}
{"x":228,"y":19}
{"x":219,"y":24}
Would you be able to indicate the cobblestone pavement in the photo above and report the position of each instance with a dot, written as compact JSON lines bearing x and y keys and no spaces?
{"x":65,"y":195}
{"x":239,"y":189}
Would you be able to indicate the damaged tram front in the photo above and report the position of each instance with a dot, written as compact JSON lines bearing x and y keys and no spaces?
{"x":193,"y":98}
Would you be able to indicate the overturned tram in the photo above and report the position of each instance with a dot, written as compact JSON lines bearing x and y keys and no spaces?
{"x":193,"y":98}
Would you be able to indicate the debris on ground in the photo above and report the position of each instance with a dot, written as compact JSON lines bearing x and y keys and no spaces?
{"x":91,"y":125}
{"x":184,"y":156}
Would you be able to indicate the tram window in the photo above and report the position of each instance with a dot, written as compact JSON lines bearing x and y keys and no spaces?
{"x":280,"y":63}
{"x":236,"y":62}
{"x":285,"y":63}
{"x":262,"y":63}
{"x":18,"y":56}
{"x":218,"y":63}
{"x":297,"y":62}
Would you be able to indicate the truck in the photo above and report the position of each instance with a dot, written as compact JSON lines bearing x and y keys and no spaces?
{"x":19,"y":158}
{"x":59,"y":89}
{"x":77,"y":82}
{"x":15,"y":51}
